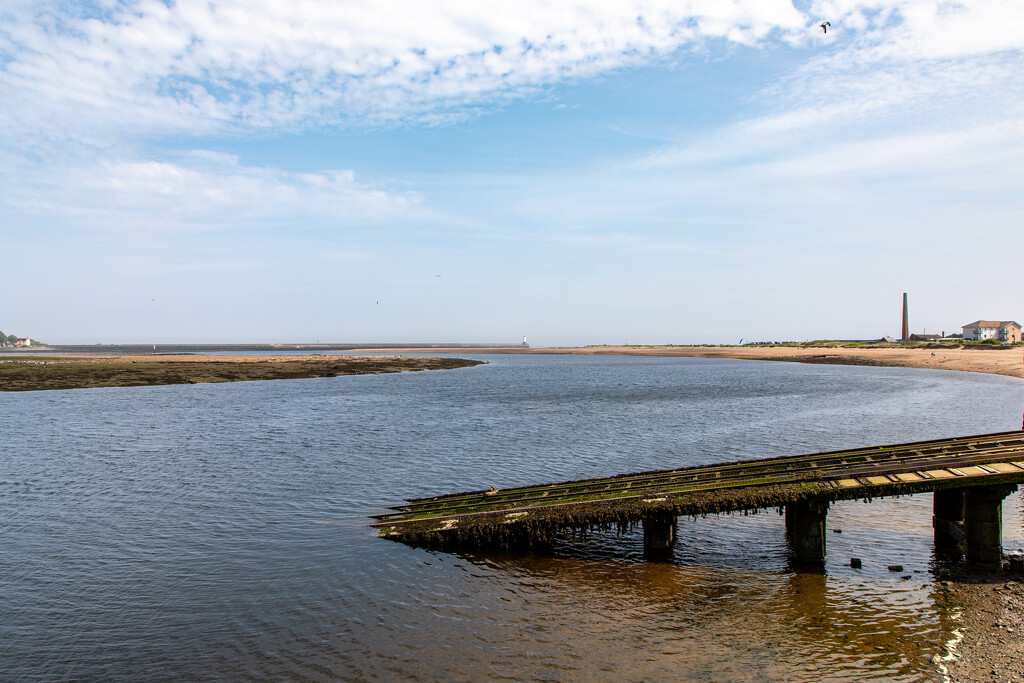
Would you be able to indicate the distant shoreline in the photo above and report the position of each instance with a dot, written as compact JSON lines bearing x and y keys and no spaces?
{"x":260,"y":361}
{"x":241,"y":349}
{"x":993,"y":360}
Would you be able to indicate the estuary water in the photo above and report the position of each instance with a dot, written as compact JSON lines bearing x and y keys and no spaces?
{"x":219,"y":531}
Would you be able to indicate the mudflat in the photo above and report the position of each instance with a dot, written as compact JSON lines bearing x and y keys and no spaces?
{"x":35,"y":373}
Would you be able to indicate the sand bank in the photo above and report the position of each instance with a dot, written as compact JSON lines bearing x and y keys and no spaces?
{"x":992,"y":360}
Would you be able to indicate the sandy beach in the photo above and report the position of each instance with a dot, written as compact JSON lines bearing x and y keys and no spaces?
{"x":992,"y":360}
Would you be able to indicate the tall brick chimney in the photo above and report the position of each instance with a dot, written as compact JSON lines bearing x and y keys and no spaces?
{"x":906,"y":320}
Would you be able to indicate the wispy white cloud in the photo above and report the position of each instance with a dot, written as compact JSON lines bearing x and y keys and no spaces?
{"x":932,"y":29}
{"x":196,"y":65}
{"x":918,"y":94}
{"x":202,"y":191}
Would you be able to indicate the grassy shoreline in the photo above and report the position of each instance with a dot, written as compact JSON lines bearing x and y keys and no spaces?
{"x":42,"y":373}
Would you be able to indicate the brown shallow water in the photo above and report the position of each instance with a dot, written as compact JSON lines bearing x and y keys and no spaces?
{"x":726,"y":607}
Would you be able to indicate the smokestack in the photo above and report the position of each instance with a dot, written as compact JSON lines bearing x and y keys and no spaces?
{"x":906,"y":320}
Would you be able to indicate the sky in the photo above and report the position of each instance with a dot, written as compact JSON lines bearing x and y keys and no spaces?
{"x":702,"y":171}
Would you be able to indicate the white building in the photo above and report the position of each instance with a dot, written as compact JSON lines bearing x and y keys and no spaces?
{"x":1004,"y":330}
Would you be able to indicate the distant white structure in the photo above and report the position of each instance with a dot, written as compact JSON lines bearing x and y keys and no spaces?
{"x":524,"y":340}
{"x":1004,"y":330}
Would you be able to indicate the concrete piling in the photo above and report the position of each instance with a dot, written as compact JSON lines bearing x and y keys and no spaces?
{"x":805,"y":523}
{"x":948,"y":523}
{"x":659,"y":535}
{"x":983,"y":525}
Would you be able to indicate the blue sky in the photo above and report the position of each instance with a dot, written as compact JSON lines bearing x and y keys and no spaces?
{"x":629,"y":172}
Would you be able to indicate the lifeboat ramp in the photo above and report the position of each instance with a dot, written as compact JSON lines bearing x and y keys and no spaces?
{"x":969,"y":477}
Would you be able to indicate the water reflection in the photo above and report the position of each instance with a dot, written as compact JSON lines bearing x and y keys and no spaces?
{"x":665,"y":621}
{"x":724,"y":608}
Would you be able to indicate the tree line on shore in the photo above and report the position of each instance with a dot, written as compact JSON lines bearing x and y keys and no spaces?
{"x":14,"y":340}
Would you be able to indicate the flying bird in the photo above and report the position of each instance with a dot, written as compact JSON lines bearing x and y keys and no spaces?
{"x":824,"y":27}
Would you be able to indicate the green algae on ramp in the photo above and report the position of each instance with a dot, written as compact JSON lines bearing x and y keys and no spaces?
{"x":531,"y":515}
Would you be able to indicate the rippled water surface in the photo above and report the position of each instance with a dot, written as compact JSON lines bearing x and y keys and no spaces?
{"x":220,"y":531}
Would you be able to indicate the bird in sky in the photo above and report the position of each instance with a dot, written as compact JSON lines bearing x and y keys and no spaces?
{"x":824,"y":27}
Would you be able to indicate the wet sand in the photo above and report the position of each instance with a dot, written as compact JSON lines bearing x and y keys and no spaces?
{"x":35,"y":373}
{"x":988,"y":645}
